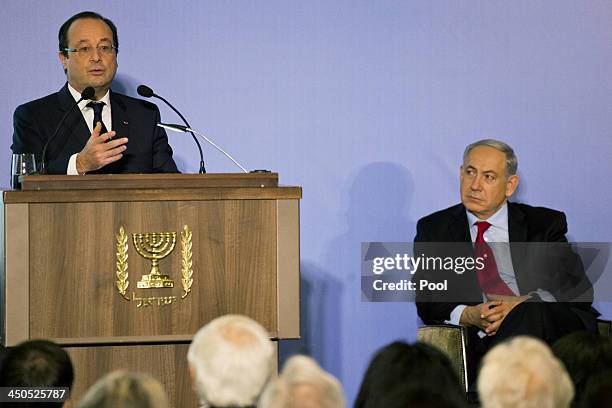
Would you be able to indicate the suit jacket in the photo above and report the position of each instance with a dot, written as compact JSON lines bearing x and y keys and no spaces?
{"x":147,"y":150}
{"x":562,"y":275}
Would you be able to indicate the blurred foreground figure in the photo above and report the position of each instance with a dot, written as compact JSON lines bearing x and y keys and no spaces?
{"x":523,"y":372}
{"x":410,"y":375}
{"x":122,"y":389}
{"x":230,"y":361}
{"x":303,"y":384}
{"x":36,"y":363}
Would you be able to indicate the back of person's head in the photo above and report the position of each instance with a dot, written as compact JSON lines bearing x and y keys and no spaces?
{"x":122,"y":389}
{"x":402,"y":374}
{"x":231,"y":359}
{"x":523,"y":372}
{"x":597,"y":391}
{"x":303,"y":384}
{"x":36,"y":363}
{"x":583,"y":354}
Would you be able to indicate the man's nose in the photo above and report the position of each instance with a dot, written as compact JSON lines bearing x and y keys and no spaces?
{"x":476,"y":184}
{"x":95,"y":55}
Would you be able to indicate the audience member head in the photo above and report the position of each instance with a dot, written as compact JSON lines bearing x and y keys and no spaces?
{"x":122,"y":389}
{"x":523,"y":372}
{"x":303,"y":384}
{"x":230,"y":360}
{"x":597,"y":391}
{"x":36,"y":363}
{"x":416,"y":375}
{"x":584,"y":354}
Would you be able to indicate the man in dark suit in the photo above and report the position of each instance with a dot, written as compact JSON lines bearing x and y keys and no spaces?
{"x":520,"y":289}
{"x":88,"y":46}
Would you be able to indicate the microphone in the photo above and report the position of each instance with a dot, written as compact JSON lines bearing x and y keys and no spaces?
{"x":147,"y":92}
{"x":181,"y":128}
{"x":88,"y":93}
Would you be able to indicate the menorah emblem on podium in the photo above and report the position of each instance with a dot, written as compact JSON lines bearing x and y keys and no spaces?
{"x":154,"y":246}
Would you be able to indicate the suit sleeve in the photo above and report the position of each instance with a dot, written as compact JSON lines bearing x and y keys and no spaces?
{"x":29,"y":138}
{"x":430,"y":310}
{"x":162,"y":152}
{"x":26,"y":136}
{"x":574,"y":285}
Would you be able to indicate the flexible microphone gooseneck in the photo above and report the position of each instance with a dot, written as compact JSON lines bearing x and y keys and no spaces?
{"x":147,"y":92}
{"x":181,"y":128}
{"x":87,"y":93}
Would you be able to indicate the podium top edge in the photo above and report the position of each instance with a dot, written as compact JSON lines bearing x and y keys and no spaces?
{"x":147,"y":181}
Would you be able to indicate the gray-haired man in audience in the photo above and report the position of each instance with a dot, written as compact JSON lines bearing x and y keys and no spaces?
{"x":523,"y":372}
{"x":230,"y":361}
{"x":303,"y":384}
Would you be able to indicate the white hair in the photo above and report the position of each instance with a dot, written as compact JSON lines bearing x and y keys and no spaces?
{"x":303,"y":384}
{"x":523,"y":373}
{"x":123,"y":389}
{"x":232,"y":358}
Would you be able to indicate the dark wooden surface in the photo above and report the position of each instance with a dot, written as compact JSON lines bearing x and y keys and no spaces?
{"x":168,"y":194}
{"x":166,"y":362}
{"x":72,"y":267}
{"x":149,"y":181}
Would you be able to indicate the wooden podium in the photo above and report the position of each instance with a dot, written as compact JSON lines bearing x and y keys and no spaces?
{"x":122,"y":270}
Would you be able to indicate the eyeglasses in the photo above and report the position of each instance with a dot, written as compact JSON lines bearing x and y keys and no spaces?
{"x":87,"y":50}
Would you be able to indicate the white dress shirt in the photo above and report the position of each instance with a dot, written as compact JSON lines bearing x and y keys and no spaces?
{"x":497,"y":233}
{"x":88,"y":114}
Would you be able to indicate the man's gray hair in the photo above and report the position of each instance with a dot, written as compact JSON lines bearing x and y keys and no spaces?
{"x":303,"y":384}
{"x":511,"y":160}
{"x":523,"y":372}
{"x":232,"y":357}
{"x":122,"y":389}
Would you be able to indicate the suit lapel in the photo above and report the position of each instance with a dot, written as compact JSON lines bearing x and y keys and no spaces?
{"x":517,"y":227}
{"x":121,"y":124}
{"x":74,"y":129}
{"x":458,"y":227}
{"x":517,"y":232}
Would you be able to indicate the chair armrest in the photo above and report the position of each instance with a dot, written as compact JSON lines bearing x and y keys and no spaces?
{"x":453,"y":341}
{"x":604,"y":327}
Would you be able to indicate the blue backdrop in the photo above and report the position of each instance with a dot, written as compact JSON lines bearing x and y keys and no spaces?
{"x":368,"y":106}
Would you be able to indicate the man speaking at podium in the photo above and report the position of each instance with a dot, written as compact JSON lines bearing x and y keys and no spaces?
{"x":88,"y":47}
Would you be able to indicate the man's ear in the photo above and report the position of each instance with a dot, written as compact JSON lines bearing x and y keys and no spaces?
{"x":511,"y":185}
{"x":64,"y":60}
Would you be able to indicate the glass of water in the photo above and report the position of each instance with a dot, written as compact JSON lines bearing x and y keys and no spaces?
{"x":21,"y":165}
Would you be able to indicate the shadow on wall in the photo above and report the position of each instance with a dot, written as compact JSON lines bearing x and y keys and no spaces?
{"x":332,"y":311}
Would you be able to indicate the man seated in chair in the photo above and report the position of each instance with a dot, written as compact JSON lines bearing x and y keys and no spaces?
{"x":505,"y":296}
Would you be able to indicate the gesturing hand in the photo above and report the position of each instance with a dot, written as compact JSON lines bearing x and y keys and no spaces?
{"x":97,"y":153}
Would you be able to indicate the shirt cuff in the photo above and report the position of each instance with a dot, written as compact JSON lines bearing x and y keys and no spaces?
{"x":72,"y":170}
{"x":455,"y":315}
{"x":545,"y":295}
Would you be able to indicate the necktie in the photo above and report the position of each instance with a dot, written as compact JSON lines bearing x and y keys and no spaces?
{"x":97,"y":108}
{"x":488,"y":277}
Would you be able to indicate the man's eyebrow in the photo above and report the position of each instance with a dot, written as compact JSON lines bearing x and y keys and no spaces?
{"x":99,"y":41}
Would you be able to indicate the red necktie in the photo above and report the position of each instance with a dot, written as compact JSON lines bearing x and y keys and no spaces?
{"x":488,"y":277}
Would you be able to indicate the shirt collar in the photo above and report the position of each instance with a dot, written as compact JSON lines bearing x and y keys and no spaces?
{"x":83,"y":104}
{"x":497,"y":220}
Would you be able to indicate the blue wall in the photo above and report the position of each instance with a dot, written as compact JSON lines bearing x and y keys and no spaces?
{"x":365,"y":104}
